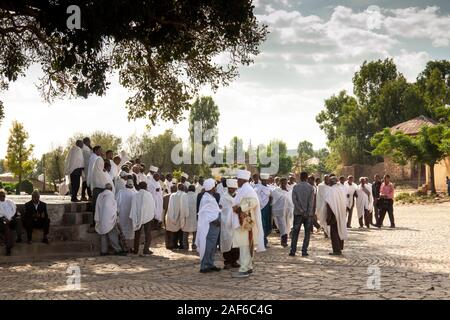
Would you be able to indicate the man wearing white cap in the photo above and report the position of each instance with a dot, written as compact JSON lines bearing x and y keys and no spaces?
{"x":250,"y":232}
{"x":184,"y":181}
{"x":229,"y":222}
{"x":124,"y":201}
{"x":154,"y":187}
{"x":208,"y":228}
{"x":264,"y":193}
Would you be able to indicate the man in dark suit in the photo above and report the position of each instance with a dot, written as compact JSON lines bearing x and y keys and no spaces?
{"x":36,"y":217}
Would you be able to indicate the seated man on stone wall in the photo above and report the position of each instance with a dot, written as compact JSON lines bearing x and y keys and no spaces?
{"x":7,"y":221}
{"x":35,"y":216}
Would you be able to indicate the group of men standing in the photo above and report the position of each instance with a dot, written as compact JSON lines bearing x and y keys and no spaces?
{"x":235,"y":215}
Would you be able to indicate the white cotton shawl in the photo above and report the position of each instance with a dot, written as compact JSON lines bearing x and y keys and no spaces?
{"x":124,"y":202}
{"x":142,"y":209}
{"x":105,"y":212}
{"x":228,"y":221}
{"x":321,"y":208}
{"x":74,"y":160}
{"x":364,"y":201}
{"x":174,"y":208}
{"x":246,"y":191}
{"x":189,"y":212}
{"x":208,"y":212}
{"x":336,"y":199}
{"x":154,"y":187}
{"x":350,"y":193}
{"x":7,"y":209}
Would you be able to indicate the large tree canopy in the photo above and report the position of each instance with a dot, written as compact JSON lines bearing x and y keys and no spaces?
{"x":163,"y":51}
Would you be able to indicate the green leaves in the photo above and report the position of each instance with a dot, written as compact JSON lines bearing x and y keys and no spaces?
{"x":18,"y":154}
{"x":163,"y":51}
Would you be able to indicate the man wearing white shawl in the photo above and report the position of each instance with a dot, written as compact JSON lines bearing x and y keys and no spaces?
{"x":321,"y":207}
{"x":124,"y":202}
{"x":142,"y":213}
{"x":73,"y":167}
{"x":174,"y":235}
{"x":249,"y":233}
{"x":108,"y":176}
{"x":97,"y":177}
{"x":336,"y":201}
{"x":281,"y":208}
{"x":184,"y":181}
{"x":121,"y":181}
{"x":199,"y":185}
{"x":7,"y":211}
{"x":87,"y":152}
{"x":208,"y":228}
{"x":154,"y":187}
{"x":350,"y":190}
{"x":228,"y":221}
{"x":364,"y":203}
{"x":106,"y":221}
{"x":264,"y":192}
{"x":189,"y":216}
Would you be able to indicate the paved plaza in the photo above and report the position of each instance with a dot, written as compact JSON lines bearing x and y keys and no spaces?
{"x":412,"y":261}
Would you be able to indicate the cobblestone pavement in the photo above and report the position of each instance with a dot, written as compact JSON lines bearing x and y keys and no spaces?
{"x":413,"y":260}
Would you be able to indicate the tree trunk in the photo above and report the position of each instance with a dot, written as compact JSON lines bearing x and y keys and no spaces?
{"x":419,"y":176}
{"x":433,"y":185}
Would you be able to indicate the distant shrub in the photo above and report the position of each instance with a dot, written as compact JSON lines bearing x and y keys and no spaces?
{"x":26,"y":186}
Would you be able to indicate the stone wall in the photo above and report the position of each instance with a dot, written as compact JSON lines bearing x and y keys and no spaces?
{"x":397,"y":172}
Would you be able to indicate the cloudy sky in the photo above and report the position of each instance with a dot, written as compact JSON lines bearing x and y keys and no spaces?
{"x":313,"y":50}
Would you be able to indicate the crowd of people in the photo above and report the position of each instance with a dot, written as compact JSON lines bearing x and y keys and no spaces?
{"x":235,"y":215}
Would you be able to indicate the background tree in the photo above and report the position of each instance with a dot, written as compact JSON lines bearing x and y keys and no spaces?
{"x":2,"y":165}
{"x":106,"y":140}
{"x":163,"y":51}
{"x":383,"y":98}
{"x":428,"y":147}
{"x":18,"y":155}
{"x":304,"y":153}
{"x":53,"y":164}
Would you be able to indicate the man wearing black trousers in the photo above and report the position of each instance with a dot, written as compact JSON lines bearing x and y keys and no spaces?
{"x":73,"y":167}
{"x":36,"y":217}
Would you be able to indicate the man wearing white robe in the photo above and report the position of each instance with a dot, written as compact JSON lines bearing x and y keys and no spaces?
{"x":106,"y":222}
{"x":184,"y":181}
{"x":208,"y":228}
{"x":115,"y":169}
{"x":189,"y":216}
{"x":154,"y":187}
{"x":87,"y":152}
{"x":199,"y":185}
{"x":124,"y":202}
{"x":264,"y":192}
{"x":321,"y":208}
{"x":142,"y":213}
{"x":364,"y":203}
{"x":228,"y":221}
{"x":73,"y":168}
{"x":249,"y":233}
{"x":336,"y":203}
{"x":350,"y":191}
{"x":98,"y":178}
{"x":174,"y":234}
{"x":108,"y":176}
{"x":7,"y":211}
{"x":221,"y":187}
{"x":280,"y":209}
{"x":121,"y":181}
